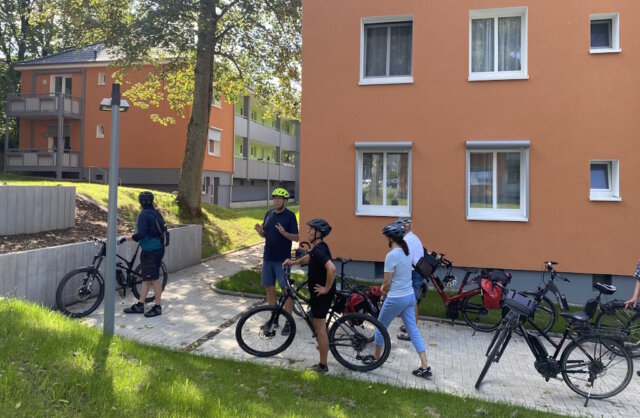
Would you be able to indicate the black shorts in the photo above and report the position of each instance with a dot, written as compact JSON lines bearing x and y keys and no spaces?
{"x":150,"y":262}
{"x":320,"y":305}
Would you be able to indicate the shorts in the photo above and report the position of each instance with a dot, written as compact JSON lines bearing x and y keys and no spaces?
{"x":320,"y":305}
{"x":150,"y":262}
{"x":272,"y":271}
{"x":416,"y":283}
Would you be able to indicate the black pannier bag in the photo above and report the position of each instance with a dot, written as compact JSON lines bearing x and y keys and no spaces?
{"x":427,"y":264}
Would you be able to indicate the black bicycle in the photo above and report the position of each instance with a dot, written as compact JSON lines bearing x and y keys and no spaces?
{"x":614,"y":318}
{"x":351,"y":336}
{"x":592,"y":365}
{"x":81,"y":291}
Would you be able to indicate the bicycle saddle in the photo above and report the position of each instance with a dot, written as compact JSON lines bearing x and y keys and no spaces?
{"x":576,"y":316}
{"x":605,"y":289}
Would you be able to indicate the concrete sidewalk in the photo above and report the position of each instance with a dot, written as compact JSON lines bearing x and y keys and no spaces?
{"x":201,"y":321}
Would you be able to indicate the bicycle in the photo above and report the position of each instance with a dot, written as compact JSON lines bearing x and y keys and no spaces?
{"x":614,"y":317}
{"x":588,"y":362}
{"x":81,"y":291}
{"x":351,"y":336}
{"x":471,"y":302}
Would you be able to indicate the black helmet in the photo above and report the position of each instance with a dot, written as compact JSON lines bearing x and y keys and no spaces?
{"x":145,"y":198}
{"x":393,"y":231}
{"x":320,"y":225}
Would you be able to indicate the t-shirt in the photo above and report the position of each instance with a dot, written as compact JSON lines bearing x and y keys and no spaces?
{"x":277,"y":247}
{"x":147,"y":233}
{"x":416,"y":250}
{"x":399,"y":264}
{"x":318,"y":257}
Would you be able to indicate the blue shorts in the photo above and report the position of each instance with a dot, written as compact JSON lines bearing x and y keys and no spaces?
{"x":272,"y":270}
{"x":416,"y":282}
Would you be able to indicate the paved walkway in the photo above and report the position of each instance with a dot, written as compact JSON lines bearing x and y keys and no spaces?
{"x":197,"y":319}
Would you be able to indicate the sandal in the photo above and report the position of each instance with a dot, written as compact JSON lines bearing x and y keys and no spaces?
{"x":424,"y":373}
{"x":403,"y":329}
{"x":368,"y":359}
{"x":404,"y":337}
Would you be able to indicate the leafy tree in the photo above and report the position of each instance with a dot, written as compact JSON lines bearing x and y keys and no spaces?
{"x":208,"y":48}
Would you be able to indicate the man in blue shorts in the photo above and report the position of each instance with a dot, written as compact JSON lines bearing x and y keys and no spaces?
{"x":279,"y":228}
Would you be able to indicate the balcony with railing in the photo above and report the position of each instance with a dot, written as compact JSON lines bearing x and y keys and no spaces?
{"x":41,"y":160}
{"x":265,"y":134}
{"x":44,"y":106}
{"x":263,"y":170}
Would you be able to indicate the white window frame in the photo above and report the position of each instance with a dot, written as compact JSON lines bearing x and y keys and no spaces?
{"x":99,"y":131}
{"x":615,"y":33}
{"x":495,"y":74}
{"x":495,"y":214}
{"x":52,"y":82}
{"x":219,"y":141}
{"x":382,"y":210}
{"x":101,"y":79}
{"x":612,"y":194}
{"x":384,"y":79}
{"x":216,"y":103}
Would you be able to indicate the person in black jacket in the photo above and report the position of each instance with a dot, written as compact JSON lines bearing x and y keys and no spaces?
{"x":149,"y":237}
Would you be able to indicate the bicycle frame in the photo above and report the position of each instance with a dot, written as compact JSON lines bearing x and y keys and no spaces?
{"x":461,"y":293}
{"x":127,"y":266}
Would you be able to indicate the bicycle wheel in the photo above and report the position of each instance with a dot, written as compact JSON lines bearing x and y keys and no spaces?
{"x":544,"y":316}
{"x":258,"y":331}
{"x":596,"y":367}
{"x":351,"y":340}
{"x":623,"y":322}
{"x":478,"y":317}
{"x":494,"y":349}
{"x":137,"y":287}
{"x":302,"y":291}
{"x":80,"y":292}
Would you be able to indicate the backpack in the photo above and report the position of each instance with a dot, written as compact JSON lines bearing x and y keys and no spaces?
{"x":162,"y":230}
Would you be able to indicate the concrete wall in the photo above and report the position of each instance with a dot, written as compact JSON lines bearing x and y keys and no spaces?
{"x":34,"y":275}
{"x":31,"y":209}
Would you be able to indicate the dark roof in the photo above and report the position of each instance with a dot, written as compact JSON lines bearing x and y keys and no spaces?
{"x":88,"y":54}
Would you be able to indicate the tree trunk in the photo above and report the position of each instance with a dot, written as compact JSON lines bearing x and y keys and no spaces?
{"x":189,"y":196}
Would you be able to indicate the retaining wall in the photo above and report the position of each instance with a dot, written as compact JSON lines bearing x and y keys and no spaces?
{"x":34,"y":275}
{"x":31,"y":209}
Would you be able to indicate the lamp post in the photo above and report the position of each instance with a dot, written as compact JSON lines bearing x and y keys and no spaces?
{"x":115,"y":106}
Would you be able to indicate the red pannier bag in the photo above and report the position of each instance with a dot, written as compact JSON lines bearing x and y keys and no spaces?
{"x":491,"y":294}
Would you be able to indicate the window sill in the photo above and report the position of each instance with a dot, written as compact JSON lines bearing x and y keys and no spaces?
{"x":385,"y":80}
{"x":498,"y":218}
{"x":213,"y":155}
{"x":497,"y":76}
{"x":605,"y":51}
{"x":384,"y":212}
{"x":593,"y":198}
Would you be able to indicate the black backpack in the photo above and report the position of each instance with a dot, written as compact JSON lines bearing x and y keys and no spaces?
{"x":162,"y":230}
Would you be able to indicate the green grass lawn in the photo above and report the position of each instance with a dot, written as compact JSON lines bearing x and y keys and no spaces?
{"x":54,"y":366}
{"x":222,"y":229}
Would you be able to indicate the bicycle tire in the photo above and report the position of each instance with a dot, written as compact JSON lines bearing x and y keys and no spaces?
{"x":478,"y":317}
{"x":589,"y":366}
{"x":302,"y":293}
{"x":136,"y":288}
{"x":358,"y":331}
{"x":544,"y":316}
{"x":72,"y":290}
{"x":252,"y":324}
{"x":628,"y":325}
{"x":491,"y":356}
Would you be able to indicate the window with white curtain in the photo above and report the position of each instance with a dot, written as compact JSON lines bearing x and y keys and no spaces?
{"x":215,"y":138}
{"x":605,"y":33}
{"x":383,"y":183}
{"x":604,"y":180}
{"x":497,"y":180}
{"x":386,"y":50}
{"x":498,"y":44}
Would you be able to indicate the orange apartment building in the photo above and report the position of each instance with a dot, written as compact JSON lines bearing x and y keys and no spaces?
{"x":508,"y":130}
{"x":59,"y":98}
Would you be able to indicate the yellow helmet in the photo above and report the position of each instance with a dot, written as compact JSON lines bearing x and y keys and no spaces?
{"x":280,"y":192}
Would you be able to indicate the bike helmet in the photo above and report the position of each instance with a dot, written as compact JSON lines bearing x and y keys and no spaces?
{"x":280,"y":192}
{"x":320,"y":225}
{"x":145,"y":198}
{"x":394,"y":231}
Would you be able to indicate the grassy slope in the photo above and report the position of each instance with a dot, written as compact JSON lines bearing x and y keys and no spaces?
{"x":53,"y":366}
{"x":223,"y":229}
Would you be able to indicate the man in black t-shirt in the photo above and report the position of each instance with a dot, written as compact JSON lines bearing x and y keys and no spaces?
{"x":322,"y":286}
{"x":279,"y":228}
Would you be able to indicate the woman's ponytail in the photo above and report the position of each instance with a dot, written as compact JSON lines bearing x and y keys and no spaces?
{"x":402,"y":243}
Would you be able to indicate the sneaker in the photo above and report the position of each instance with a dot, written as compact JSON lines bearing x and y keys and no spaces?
{"x":403,"y":329}
{"x":286,"y":330}
{"x":135,"y":308}
{"x":319,"y":368}
{"x":155,"y":311}
{"x":424,"y":373}
{"x":368,"y":359}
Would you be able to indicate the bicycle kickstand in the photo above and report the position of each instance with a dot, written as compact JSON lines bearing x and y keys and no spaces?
{"x":586,"y":401}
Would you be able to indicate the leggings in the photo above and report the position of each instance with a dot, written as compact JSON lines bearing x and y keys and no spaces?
{"x":404,"y":306}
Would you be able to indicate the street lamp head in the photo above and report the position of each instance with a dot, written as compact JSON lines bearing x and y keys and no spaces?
{"x":105,"y":105}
